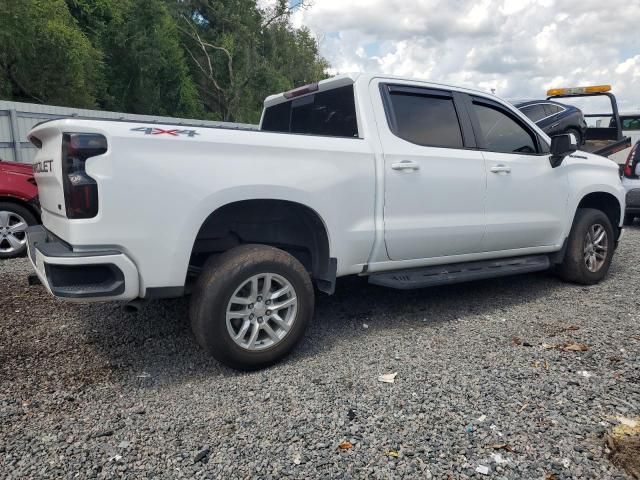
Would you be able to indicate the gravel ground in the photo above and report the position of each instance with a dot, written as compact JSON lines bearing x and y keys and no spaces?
{"x":90,"y":391}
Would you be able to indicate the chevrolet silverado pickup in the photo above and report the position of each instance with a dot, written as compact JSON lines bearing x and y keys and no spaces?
{"x":406,"y":182}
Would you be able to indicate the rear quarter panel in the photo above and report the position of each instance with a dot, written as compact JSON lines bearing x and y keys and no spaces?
{"x":155,"y":191}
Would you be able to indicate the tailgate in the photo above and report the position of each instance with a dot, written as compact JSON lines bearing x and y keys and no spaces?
{"x":47,"y":167}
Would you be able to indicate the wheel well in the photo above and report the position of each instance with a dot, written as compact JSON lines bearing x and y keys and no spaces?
{"x":290,"y":226}
{"x":22,"y":203}
{"x":604,"y":202}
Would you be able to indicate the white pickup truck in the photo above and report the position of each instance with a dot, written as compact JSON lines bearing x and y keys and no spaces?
{"x":406,"y":182}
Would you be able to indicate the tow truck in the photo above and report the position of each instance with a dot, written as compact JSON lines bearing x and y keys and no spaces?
{"x":603,"y":141}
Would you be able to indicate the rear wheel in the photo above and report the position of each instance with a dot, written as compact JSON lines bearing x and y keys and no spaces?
{"x":590,"y":248}
{"x":251,"y":306}
{"x":14,"y":220}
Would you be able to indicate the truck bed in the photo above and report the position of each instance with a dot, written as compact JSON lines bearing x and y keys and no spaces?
{"x":605,"y":147}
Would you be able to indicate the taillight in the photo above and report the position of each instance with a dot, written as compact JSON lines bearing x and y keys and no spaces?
{"x":630,"y":163}
{"x":80,"y":190}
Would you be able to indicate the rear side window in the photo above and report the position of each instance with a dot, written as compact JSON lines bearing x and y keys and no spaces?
{"x":502,"y":133}
{"x":426,"y":120}
{"x":330,"y":113}
{"x":631,"y":123}
{"x":534,"y":112}
{"x":552,"y":109}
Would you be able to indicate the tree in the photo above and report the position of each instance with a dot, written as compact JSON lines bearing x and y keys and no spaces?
{"x":145,"y":67}
{"x":235,"y":52}
{"x":45,"y":57}
{"x":191,"y":58}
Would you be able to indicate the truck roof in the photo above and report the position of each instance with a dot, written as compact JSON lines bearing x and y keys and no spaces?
{"x":327,"y":84}
{"x":351,"y":78}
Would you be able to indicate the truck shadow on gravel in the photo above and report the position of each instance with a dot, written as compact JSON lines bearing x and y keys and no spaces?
{"x":155,"y":346}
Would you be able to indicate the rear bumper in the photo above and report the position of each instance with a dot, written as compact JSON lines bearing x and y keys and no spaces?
{"x":88,"y":275}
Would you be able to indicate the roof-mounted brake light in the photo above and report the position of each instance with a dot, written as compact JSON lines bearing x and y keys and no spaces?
{"x":297,"y":92}
{"x":554,"y":92}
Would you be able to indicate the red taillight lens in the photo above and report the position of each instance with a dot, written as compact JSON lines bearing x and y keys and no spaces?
{"x":631,"y":162}
{"x":80,"y":190}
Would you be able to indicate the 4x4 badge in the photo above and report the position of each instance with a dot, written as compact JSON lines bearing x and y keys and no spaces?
{"x":160,"y":131}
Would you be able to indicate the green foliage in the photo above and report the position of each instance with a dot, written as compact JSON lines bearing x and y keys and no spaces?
{"x":240,"y":54}
{"x":145,"y":68}
{"x":192,"y":58}
{"x":45,"y":57}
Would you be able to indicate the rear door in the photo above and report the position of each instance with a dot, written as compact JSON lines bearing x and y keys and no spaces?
{"x":526,"y":197}
{"x":434,"y":178}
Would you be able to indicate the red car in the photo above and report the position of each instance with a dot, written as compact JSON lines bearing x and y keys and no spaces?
{"x":19,"y":207}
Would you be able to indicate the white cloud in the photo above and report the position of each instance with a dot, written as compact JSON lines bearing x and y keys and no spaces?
{"x":518,"y":47}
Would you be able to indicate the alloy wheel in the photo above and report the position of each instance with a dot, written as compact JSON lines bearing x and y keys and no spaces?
{"x":13,"y":232}
{"x":596,"y":246}
{"x":261,"y":311}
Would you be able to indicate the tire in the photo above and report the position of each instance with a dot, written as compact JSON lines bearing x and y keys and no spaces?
{"x":579,"y":257}
{"x":628,"y":219}
{"x":225,"y":285}
{"x":576,"y":133}
{"x":13,"y":238}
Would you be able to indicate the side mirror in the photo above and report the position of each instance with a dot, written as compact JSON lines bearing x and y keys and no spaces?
{"x":561,"y":146}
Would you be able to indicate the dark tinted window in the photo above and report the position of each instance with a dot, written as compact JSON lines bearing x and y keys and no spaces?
{"x":502,"y":133}
{"x":551,"y":109}
{"x":331,"y":113}
{"x":277,"y":118}
{"x":631,"y":123}
{"x":534,"y":112}
{"x":426,"y":120}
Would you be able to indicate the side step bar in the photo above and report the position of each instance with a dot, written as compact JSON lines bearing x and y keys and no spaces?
{"x":460,"y":272}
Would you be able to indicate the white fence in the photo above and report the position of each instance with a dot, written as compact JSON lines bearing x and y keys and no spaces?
{"x":17,"y":119}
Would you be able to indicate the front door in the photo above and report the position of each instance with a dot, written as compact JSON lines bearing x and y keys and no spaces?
{"x":526,"y":197}
{"x":435,"y":181}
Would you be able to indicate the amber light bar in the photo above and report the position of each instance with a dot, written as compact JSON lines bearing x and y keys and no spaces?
{"x":554,"y":92}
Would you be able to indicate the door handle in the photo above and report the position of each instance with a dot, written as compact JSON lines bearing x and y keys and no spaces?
{"x":501,"y":168}
{"x":405,"y":165}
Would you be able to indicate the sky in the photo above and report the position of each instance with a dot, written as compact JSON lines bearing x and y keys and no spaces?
{"x":520,"y":48}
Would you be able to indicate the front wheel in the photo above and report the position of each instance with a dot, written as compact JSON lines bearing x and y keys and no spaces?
{"x":251,"y":306}
{"x":589,"y":249}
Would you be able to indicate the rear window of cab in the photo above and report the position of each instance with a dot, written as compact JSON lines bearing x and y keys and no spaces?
{"x":330,"y":113}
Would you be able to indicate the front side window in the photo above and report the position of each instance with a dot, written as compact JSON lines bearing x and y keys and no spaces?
{"x":502,"y":133}
{"x":426,"y":120}
{"x":329,"y":113}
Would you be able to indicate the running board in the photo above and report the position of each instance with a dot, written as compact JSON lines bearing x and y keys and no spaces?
{"x":459,"y":272}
